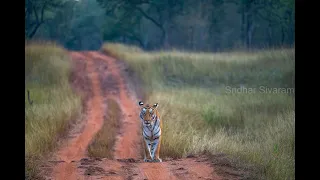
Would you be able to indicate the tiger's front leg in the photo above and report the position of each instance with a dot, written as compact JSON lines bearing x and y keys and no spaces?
{"x":155,"y":150}
{"x":147,"y":154}
{"x":157,"y":154}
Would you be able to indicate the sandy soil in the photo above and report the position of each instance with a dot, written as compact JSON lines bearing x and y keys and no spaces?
{"x":98,"y":77}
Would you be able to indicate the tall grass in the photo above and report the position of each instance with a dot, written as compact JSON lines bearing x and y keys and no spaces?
{"x":201,"y":112}
{"x":54,"y":104}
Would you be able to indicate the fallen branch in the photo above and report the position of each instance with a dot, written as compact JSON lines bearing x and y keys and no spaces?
{"x":29,"y":100}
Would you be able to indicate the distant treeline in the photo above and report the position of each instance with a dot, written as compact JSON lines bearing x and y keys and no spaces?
{"x":202,"y":25}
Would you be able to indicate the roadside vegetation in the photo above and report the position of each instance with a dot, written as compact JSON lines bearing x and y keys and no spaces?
{"x":50,"y":103}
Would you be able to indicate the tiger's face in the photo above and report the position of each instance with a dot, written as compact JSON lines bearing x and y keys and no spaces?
{"x":148,"y":113}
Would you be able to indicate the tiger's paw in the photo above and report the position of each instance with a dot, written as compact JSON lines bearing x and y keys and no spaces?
{"x":147,"y":160}
{"x":157,"y":160}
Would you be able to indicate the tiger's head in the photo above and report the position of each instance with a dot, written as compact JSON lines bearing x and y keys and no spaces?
{"x":148,"y":114}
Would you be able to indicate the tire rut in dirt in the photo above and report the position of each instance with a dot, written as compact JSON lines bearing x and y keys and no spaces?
{"x":109,"y":85}
{"x":79,"y":79}
{"x":109,"y":88}
{"x":127,"y":144}
{"x":76,"y":147}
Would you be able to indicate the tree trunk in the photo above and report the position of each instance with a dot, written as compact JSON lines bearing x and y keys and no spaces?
{"x":282,"y":35}
{"x":191,"y":38}
{"x":159,"y":25}
{"x":165,"y":42}
{"x":146,"y":40}
{"x":33,"y":32}
{"x":243,"y":19}
{"x":250,"y":29}
{"x":269,"y":34}
{"x":124,"y":39}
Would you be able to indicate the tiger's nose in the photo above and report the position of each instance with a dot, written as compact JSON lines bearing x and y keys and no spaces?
{"x":147,"y":122}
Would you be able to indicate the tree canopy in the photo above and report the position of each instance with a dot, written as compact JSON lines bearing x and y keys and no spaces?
{"x":206,"y":25}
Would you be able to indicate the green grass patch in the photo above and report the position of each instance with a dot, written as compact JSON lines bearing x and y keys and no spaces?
{"x":54,"y":104}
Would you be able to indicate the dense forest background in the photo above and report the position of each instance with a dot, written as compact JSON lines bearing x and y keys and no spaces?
{"x":198,"y":25}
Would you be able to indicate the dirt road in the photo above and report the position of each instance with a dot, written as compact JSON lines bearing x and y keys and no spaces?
{"x":99,"y":77}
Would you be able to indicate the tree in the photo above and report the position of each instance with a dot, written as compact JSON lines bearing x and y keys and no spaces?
{"x":216,"y":17}
{"x":156,"y":11}
{"x":37,"y":12}
{"x":152,"y":24}
{"x":274,"y":12}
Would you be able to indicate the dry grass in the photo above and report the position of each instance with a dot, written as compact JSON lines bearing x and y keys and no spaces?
{"x":47,"y":70}
{"x":103,"y":143}
{"x":201,"y":114}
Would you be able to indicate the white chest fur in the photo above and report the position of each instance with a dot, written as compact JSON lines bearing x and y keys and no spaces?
{"x":152,"y":131}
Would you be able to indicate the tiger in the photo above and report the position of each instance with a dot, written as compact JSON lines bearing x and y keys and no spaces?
{"x":151,"y":132}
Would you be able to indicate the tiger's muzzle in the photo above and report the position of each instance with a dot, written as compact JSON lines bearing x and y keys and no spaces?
{"x":147,"y":122}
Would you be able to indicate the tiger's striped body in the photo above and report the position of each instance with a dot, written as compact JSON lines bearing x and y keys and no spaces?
{"x":151,"y":132}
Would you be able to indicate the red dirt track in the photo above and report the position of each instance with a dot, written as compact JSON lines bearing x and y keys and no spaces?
{"x":98,"y":77}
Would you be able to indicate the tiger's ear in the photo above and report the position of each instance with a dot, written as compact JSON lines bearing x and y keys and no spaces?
{"x":140,"y":103}
{"x":155,"y":105}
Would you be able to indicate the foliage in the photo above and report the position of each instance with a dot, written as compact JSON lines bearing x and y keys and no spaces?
{"x":156,"y":24}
